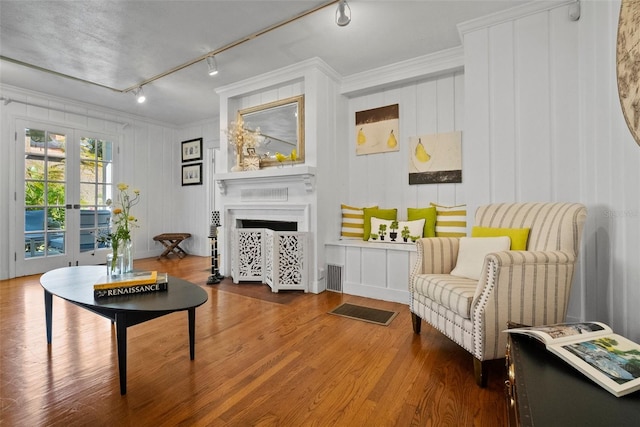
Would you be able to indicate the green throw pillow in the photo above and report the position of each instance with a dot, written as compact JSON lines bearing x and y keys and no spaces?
{"x":518,"y":236}
{"x":429,"y":216}
{"x":390,"y":214}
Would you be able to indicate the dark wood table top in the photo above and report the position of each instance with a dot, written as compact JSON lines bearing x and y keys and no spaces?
{"x":75,"y":284}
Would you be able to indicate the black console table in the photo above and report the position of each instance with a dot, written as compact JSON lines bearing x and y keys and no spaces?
{"x":543,"y":390}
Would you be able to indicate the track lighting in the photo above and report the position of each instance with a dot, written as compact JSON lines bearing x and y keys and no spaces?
{"x":213,"y":65}
{"x":343,"y":13}
{"x":139,"y":94}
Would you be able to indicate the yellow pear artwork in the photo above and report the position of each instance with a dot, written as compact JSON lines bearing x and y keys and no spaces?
{"x":392,"y":142}
{"x":421,"y":153}
{"x":362,"y":139}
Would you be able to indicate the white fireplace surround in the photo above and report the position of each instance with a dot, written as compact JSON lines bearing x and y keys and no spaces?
{"x":290,"y":212}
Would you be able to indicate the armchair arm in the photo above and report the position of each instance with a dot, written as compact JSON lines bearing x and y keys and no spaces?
{"x":526,"y":287}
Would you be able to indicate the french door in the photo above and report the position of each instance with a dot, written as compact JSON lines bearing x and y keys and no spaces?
{"x":64,"y":179}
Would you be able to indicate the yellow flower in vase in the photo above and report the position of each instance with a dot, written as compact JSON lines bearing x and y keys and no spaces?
{"x":122,"y":221}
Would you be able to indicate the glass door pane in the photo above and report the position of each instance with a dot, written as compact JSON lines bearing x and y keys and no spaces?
{"x":45,"y":157}
{"x":95,"y":179}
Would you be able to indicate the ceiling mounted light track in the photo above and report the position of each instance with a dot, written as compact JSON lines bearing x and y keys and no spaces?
{"x":343,"y":13}
{"x":212,"y":64}
{"x":345,"y":18}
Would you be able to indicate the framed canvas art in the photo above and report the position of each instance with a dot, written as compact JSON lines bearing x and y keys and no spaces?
{"x":377,"y":130}
{"x":436,"y":158}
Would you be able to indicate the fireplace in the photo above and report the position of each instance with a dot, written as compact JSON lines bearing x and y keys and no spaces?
{"x":270,"y":224}
{"x":280,"y":199}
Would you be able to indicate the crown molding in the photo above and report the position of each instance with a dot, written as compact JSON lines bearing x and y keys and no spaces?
{"x":443,"y":62}
{"x":509,"y":15}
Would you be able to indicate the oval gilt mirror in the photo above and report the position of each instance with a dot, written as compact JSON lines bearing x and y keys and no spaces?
{"x":281,"y":125}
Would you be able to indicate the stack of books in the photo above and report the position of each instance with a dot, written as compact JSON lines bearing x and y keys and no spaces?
{"x":136,"y":282}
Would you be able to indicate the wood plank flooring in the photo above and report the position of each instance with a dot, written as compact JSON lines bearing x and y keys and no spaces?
{"x":262,"y":359}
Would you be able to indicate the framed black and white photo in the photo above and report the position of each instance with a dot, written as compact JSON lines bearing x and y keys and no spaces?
{"x":192,"y":150}
{"x":192,"y":174}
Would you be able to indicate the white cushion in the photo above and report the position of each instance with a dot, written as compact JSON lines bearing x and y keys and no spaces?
{"x":416,"y":228}
{"x":375,"y":226}
{"x":472,"y":251}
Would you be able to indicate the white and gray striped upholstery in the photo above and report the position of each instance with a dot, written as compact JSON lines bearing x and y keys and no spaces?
{"x":529,"y":287}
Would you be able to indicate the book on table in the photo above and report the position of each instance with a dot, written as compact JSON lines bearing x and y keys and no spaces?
{"x":161,"y":284}
{"x":608,"y":359}
{"x":126,"y":279}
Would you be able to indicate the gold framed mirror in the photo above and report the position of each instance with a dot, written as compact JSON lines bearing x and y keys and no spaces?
{"x":281,"y":126}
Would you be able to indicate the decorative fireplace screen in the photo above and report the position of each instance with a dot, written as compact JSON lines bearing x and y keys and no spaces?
{"x":277,"y":258}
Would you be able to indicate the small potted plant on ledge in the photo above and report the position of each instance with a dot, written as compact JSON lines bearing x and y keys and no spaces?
{"x":374,"y":236}
{"x":382,"y":231}
{"x":394,"y":230}
{"x":405,"y":233}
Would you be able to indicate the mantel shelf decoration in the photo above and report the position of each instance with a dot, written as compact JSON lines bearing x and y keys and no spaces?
{"x":242,"y":139}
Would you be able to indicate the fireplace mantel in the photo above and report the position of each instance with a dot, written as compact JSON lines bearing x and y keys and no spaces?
{"x":284,"y":174}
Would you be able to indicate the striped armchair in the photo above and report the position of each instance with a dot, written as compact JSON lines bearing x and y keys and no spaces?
{"x":529,"y":287}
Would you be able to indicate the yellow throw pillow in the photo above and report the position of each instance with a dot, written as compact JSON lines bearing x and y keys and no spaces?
{"x":429,"y":216}
{"x":352,"y":222}
{"x":451,"y":221}
{"x":518,"y":236}
{"x":378,"y":213}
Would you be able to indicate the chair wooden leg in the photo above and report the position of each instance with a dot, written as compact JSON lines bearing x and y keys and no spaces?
{"x":416,"y":322}
{"x":480,"y":371}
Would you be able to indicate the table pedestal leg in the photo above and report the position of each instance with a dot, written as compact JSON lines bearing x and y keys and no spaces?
{"x":48,"y":311}
{"x":121,"y":337}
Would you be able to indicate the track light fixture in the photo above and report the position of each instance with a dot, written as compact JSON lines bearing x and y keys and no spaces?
{"x":139,"y":94}
{"x":343,"y":13}
{"x":213,"y":65}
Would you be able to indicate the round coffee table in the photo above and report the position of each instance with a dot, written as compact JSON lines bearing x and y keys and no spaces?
{"x":75,"y":284}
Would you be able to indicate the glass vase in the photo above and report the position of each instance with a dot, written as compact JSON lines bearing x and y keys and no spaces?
{"x":239,"y":162}
{"x":114,"y":264}
{"x":127,"y":255}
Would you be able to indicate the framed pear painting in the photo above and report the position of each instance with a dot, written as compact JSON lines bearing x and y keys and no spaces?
{"x":436,"y":158}
{"x":377,"y":130}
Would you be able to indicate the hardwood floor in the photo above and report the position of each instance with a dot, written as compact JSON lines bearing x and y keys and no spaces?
{"x":261,"y":359}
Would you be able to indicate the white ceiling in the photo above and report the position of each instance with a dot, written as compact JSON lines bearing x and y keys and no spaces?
{"x":120,"y":44}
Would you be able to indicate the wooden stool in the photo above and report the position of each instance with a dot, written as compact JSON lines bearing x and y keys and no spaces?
{"x":171,"y":241}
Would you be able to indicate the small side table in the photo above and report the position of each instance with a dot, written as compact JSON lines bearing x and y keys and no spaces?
{"x":543,"y":390}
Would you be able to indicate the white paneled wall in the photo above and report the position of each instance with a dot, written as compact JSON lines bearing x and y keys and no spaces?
{"x":543,"y":122}
{"x":434,"y":105}
{"x":148,"y":158}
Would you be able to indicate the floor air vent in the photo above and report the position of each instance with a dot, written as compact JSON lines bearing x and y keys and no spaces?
{"x":334,"y":278}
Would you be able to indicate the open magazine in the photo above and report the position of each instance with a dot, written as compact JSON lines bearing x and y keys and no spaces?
{"x":609,"y":359}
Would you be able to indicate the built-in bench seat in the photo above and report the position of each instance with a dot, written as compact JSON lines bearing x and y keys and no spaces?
{"x":375,"y":270}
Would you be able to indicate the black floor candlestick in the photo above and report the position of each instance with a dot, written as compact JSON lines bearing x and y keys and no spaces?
{"x":215,"y":277}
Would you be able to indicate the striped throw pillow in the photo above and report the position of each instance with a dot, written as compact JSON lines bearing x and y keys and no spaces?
{"x":451,"y":221}
{"x":352,"y":222}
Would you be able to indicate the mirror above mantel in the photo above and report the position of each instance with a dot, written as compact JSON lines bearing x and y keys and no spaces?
{"x":281,"y":126}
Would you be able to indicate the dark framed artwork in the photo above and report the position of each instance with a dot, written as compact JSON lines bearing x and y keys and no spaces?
{"x":192,"y":150}
{"x":192,"y":174}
